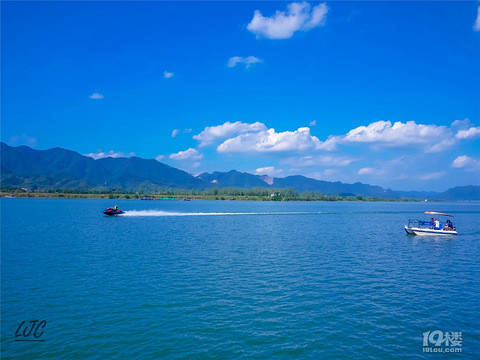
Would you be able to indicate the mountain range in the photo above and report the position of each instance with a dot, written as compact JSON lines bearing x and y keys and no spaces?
{"x":59,"y":168}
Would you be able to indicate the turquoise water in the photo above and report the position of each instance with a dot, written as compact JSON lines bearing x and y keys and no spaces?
{"x":205,"y":279}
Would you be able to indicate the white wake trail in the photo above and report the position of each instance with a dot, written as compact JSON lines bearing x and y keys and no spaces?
{"x":168,"y":213}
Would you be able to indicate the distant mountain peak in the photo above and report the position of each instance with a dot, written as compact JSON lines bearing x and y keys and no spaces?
{"x":60,"y":168}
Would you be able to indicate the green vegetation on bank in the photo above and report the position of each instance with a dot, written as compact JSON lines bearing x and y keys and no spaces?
{"x":254,"y":194}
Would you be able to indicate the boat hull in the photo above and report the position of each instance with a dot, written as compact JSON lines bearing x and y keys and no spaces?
{"x":423,"y":231}
{"x":112,"y":213}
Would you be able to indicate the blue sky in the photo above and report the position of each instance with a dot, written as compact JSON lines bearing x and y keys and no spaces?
{"x":386,"y":93}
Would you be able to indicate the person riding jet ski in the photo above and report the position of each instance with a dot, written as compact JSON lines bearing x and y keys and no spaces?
{"x":113,"y":211}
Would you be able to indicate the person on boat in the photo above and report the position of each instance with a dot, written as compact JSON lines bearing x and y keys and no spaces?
{"x":432,"y":223}
{"x":115,"y":208}
{"x":449,"y":225}
{"x":437,"y":224}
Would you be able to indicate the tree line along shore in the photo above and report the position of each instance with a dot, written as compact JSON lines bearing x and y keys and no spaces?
{"x":253,"y":194}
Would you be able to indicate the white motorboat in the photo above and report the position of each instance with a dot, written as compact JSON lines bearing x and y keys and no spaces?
{"x":433,"y":226}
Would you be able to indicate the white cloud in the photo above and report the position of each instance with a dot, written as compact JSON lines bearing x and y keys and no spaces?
{"x":312,"y":123}
{"x":440,"y":146}
{"x":466,"y":162}
{"x":366,"y":171}
{"x":269,"y":171}
{"x":461,"y":161}
{"x":248,"y":61}
{"x":175,"y":132}
{"x":96,"y":96}
{"x":461,"y":124}
{"x":476,"y":26}
{"x":160,"y":158}
{"x":168,"y":75}
{"x":431,"y":138}
{"x":433,"y":175}
{"x":469,"y":133}
{"x":212,"y":133}
{"x":256,"y":137}
{"x":113,"y":154}
{"x":301,"y":152}
{"x":189,"y":154}
{"x":397,"y":134}
{"x":270,"y":141}
{"x":300,"y":16}
{"x":23,"y":139}
{"x":330,"y":144}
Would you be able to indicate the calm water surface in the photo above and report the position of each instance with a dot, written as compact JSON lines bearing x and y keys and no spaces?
{"x":264,"y":280}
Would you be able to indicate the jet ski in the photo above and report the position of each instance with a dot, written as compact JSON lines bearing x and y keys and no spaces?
{"x":111,"y":211}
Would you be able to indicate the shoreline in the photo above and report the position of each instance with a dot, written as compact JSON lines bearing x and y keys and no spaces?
{"x":190,"y":197}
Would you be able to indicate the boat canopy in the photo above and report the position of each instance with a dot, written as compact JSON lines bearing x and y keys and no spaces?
{"x":436,"y":213}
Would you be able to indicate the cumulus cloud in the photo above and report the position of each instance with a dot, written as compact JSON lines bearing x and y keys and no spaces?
{"x":241,"y":137}
{"x":312,"y":123}
{"x":22,"y":139}
{"x":330,"y":144}
{"x":96,"y":96}
{"x":168,"y":75}
{"x":247,"y":61}
{"x":397,"y":134}
{"x":175,"y":132}
{"x":470,"y":133}
{"x":432,"y":138}
{"x":213,"y":133}
{"x":300,"y":16}
{"x":466,"y":162}
{"x":476,"y":26}
{"x":189,"y":154}
{"x":270,"y":141}
{"x":160,"y":157}
{"x":113,"y":154}
{"x":269,"y":171}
